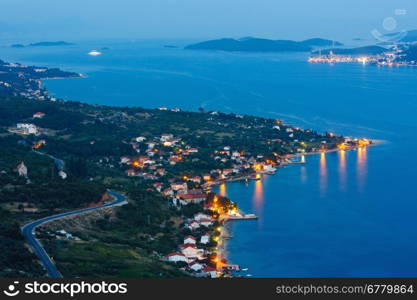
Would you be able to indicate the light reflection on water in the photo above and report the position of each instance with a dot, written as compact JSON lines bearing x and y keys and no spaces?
{"x":323,"y":175}
{"x":361,"y":167}
{"x":258,"y":196}
{"x":222,"y":190}
{"x":342,"y":170}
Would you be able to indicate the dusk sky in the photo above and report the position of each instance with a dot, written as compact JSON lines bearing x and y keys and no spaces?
{"x":136,"y":19}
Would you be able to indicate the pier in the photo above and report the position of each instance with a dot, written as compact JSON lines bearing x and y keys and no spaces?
{"x":244,"y":217}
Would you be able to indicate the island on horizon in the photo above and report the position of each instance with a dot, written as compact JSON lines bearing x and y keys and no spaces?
{"x":43,"y":44}
{"x":251,"y":44}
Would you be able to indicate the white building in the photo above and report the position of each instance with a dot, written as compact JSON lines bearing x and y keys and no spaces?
{"x":189,"y":240}
{"x":22,"y":170}
{"x":27,"y":128}
{"x":210,"y":271}
{"x":189,"y":250}
{"x":200,"y":216}
{"x":176,"y":257}
{"x":205,"y":239}
{"x":195,"y":266}
{"x":62,"y":174}
{"x":166,"y":136}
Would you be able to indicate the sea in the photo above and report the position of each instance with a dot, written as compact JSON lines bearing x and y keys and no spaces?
{"x":341,"y":214}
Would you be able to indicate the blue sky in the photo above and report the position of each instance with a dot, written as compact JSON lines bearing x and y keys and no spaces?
{"x":202,"y":19}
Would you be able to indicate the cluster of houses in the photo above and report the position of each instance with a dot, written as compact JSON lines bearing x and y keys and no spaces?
{"x":174,"y":109}
{"x":241,"y":162}
{"x":199,"y":220}
{"x":194,"y":258}
{"x":28,"y":128}
{"x":155,"y":154}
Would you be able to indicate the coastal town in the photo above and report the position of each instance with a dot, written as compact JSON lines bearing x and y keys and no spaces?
{"x":395,"y":56}
{"x":171,"y":158}
{"x":26,"y":81}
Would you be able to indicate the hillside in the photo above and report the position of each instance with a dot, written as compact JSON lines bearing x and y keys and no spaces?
{"x":147,"y":154}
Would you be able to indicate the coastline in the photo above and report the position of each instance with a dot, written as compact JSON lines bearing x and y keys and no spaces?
{"x":224,"y":229}
{"x":225,"y":235}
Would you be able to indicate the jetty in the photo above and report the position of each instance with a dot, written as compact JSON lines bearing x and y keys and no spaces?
{"x":243,"y":217}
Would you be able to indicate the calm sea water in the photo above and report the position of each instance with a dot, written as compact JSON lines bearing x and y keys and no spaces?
{"x":339,"y":215}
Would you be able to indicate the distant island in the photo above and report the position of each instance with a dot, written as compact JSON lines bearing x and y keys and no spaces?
{"x":409,"y":36}
{"x":43,"y":44}
{"x":367,"y":50}
{"x":17,"y":46}
{"x":250,"y":44}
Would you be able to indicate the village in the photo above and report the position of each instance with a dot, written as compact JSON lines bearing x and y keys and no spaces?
{"x":179,"y":165}
{"x":199,"y":253}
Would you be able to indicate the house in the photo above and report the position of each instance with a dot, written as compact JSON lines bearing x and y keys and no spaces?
{"x":210,"y":271}
{"x":27,"y":128}
{"x":173,"y":159}
{"x":175,"y":109}
{"x":22,"y":170}
{"x":38,"y":115}
{"x":207,"y":177}
{"x":162,"y":108}
{"x":196,"y":179}
{"x":235,"y":154}
{"x":161,"y":171}
{"x":166,"y":136}
{"x":131,"y":172}
{"x":194,"y":225}
{"x":151,"y":145}
{"x":175,"y":257}
{"x":39,"y":144}
{"x":206,"y":222}
{"x":193,"y":198}
{"x":189,"y":240}
{"x":62,"y":174}
{"x":195,"y":266}
{"x":227,"y":172}
{"x":189,"y":250}
{"x":201,"y":216}
{"x":192,"y":150}
{"x":167,"y":192}
{"x":124,"y":160}
{"x":205,"y":239}
{"x":158,"y":186}
{"x":179,"y":186}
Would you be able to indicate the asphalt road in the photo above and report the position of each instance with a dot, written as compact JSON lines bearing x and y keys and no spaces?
{"x":28,"y":231}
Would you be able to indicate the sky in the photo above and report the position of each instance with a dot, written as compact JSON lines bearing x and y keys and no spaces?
{"x":203,"y":19}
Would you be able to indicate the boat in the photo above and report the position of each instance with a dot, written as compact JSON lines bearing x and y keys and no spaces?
{"x":94,"y":53}
{"x":245,"y":269}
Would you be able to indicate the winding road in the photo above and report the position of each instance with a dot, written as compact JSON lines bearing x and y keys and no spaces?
{"x":28,"y":232}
